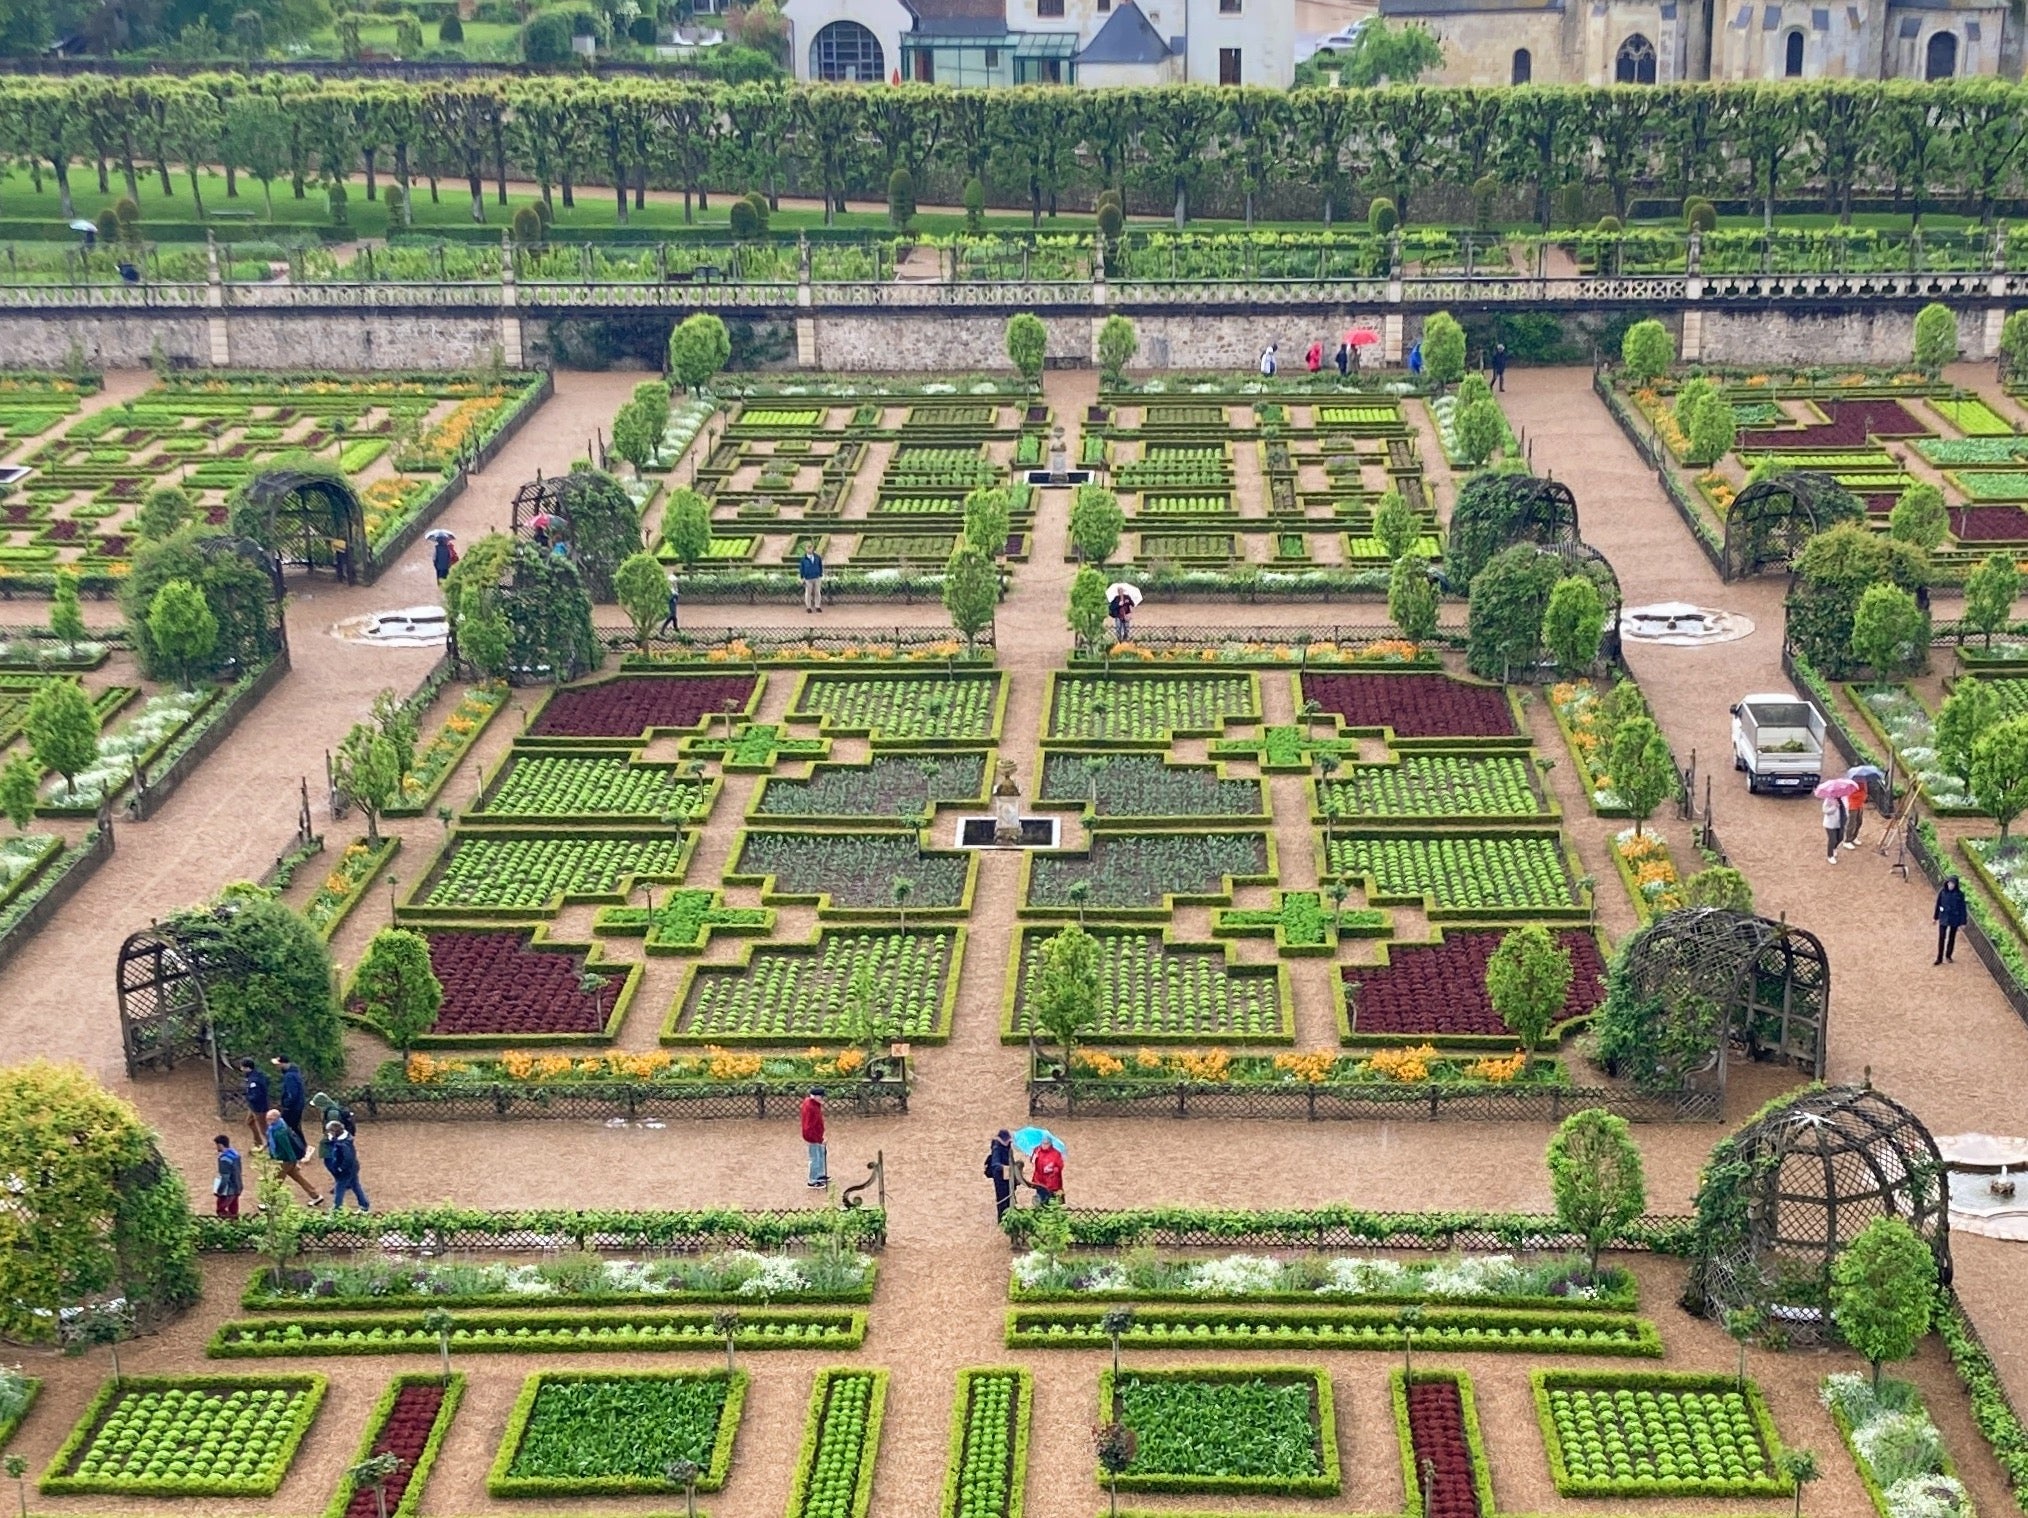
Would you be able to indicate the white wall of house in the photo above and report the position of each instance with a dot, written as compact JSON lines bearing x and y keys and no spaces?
{"x":886,"y":19}
{"x":1264,"y":32}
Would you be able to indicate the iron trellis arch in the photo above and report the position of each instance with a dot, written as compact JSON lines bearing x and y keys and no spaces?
{"x":312,"y":518}
{"x":164,"y":1016}
{"x":1812,"y":1174}
{"x":1546,"y":511}
{"x":1769,"y":522}
{"x":1770,"y":982}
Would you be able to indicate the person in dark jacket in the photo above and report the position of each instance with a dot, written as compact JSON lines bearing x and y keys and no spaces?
{"x":442,"y":557}
{"x":810,"y":570}
{"x":999,"y":1170}
{"x":231,"y":1182}
{"x":1950,"y":915}
{"x":257,"y":1101}
{"x":1343,"y":359}
{"x":291,"y":1098}
{"x":1499,"y":366}
{"x":341,"y":1159}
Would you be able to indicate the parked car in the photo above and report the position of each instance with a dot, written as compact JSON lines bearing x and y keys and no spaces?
{"x":1778,"y":741}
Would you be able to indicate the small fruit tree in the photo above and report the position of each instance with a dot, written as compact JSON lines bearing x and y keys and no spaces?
{"x":1527,"y":980}
{"x":1027,"y":344}
{"x":1412,"y":598}
{"x":2000,"y":772}
{"x":643,"y":593}
{"x":367,"y":773}
{"x":1936,"y":338}
{"x":971,"y":592}
{"x":1096,"y":522}
{"x":1991,"y":588}
{"x":1117,"y":344}
{"x":1443,"y":349}
{"x":395,"y":987}
{"x":1573,"y":624}
{"x":184,"y":629}
{"x":1087,"y":614}
{"x":1595,"y":1173}
{"x":686,"y":526}
{"x":698,"y":349}
{"x":1647,"y":351}
{"x":1883,"y":1290}
{"x":1643,"y":770}
{"x":989,"y":515}
{"x":1890,"y":631}
{"x":63,"y":729}
{"x":1064,"y":988}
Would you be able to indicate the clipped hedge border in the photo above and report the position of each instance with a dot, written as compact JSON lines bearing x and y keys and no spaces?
{"x":1623,"y":1296}
{"x":797,"y":712}
{"x":1543,"y":1382}
{"x":256,"y":1300}
{"x":813,"y":1430}
{"x":1323,"y":1414}
{"x":1302,"y":1228}
{"x":416,"y":910}
{"x":1581,"y":910}
{"x":379,"y":857}
{"x":552,"y":1229}
{"x":1220,"y":771}
{"x":501,"y":1483}
{"x":32,"y":1388}
{"x":1124,"y":675}
{"x":1475,"y":1440}
{"x":1016,"y":1472}
{"x":939,"y":1034}
{"x":492,"y":778}
{"x":1478,"y":1330}
{"x":1350,"y":1037}
{"x":1105,"y":830}
{"x":1010,"y":998}
{"x":1999,"y":1424}
{"x":1874,"y":1493}
{"x":530,"y":740}
{"x":549,"y":1332}
{"x":376,"y":1421}
{"x":55,"y":1483}
{"x":771,"y":894}
{"x":756,"y":819}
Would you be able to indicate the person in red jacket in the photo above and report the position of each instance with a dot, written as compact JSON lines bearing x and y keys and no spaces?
{"x":1045,"y":1174}
{"x":813,"y":1135}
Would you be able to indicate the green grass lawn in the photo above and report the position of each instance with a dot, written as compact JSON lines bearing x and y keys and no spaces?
{"x":485,"y":41}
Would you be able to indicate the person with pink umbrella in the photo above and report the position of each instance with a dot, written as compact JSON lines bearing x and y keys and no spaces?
{"x":1833,"y":793}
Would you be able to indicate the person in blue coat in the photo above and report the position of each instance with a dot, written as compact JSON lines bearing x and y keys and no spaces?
{"x":340,"y":1154}
{"x":255,"y":1086}
{"x":292,"y":1097}
{"x":1951,"y":912}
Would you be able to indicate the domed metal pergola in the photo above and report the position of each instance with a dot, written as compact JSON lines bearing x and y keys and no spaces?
{"x":312,"y":519}
{"x":1769,"y":521}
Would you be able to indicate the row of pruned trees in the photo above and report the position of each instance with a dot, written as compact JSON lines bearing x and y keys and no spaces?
{"x":1960,"y":142}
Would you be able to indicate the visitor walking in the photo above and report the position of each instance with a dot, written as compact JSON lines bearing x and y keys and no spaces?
{"x":231,"y":1182}
{"x":286,"y":1149}
{"x":340,"y":1155}
{"x":1499,"y":366}
{"x":999,"y":1170}
{"x":1855,"y":814}
{"x":675,"y":604}
{"x":1045,"y":1173}
{"x":1950,"y":914}
{"x":1415,"y":358}
{"x":813,"y":1135}
{"x":1313,"y":356}
{"x":1834,"y":826}
{"x":810,"y":570}
{"x":291,"y":1098}
{"x":258,"y":1099}
{"x":1121,"y":610}
{"x":1343,"y":358}
{"x":443,"y":556}
{"x":1270,"y":360}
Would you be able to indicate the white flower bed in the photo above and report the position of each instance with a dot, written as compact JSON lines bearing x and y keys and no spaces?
{"x":1899,"y":1447}
{"x":1912,"y":731}
{"x":119,"y":750}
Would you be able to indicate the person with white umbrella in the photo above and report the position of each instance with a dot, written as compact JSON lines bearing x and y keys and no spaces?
{"x":1121,"y":599}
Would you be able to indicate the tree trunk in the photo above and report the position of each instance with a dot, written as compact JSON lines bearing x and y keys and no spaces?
{"x":641,"y":184}
{"x":268,"y":194}
{"x":196,"y":192}
{"x":231,"y":180}
{"x":372,"y":186}
{"x":477,"y":185}
{"x":64,"y":201}
{"x":620,"y":192}
{"x":569,"y":189}
{"x":105,"y":184}
{"x":162,"y":172}
{"x":500,"y":161}
{"x":1182,"y":211}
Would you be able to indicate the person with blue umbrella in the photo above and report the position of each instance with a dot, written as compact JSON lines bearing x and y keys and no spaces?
{"x":1855,"y":804}
{"x":1042,"y":1154}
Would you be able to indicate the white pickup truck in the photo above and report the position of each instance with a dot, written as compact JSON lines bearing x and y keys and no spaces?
{"x":1778,"y":740}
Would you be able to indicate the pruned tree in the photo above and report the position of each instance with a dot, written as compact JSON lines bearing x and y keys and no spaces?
{"x":1396,"y":524}
{"x":1967,"y":713}
{"x":1064,"y":989}
{"x":1647,"y":351}
{"x":1990,"y":590}
{"x":1595,"y":1175}
{"x":1920,"y":517}
{"x":183,"y":626}
{"x":396,"y":988}
{"x":1642,"y":768}
{"x":1890,"y":631}
{"x":1936,"y":338}
{"x":1412,"y":598}
{"x":66,"y":617}
{"x":971,"y":592}
{"x":1117,"y":344}
{"x":1574,"y":623}
{"x":698,"y":348}
{"x":367,"y":773}
{"x":2000,"y":772}
{"x":1027,"y":344}
{"x":1527,"y":981}
{"x":642,"y":589}
{"x":1087,"y":614}
{"x":1096,"y":522}
{"x":63,"y":729}
{"x":686,"y":526}
{"x":1883,"y":1292}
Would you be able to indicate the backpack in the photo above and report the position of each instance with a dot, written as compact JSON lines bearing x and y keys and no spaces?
{"x":343,"y":1114}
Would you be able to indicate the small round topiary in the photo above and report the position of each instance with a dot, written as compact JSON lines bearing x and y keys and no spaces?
{"x":761,"y":209}
{"x":1111,"y":220}
{"x":451,"y":29}
{"x":1699,"y":214}
{"x":1381,"y":217}
{"x":745,"y":225}
{"x":527,"y":226}
{"x":1609,"y":225}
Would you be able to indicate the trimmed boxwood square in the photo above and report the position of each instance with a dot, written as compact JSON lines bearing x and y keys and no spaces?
{"x":191,"y":1436}
{"x":1657,"y":1434}
{"x":1227,"y":1429}
{"x":578,"y":1433}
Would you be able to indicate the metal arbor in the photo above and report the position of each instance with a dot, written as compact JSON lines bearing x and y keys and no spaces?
{"x":1764,"y":986}
{"x":312,"y":519}
{"x":163,"y":1013}
{"x":1810,"y":1176}
{"x":1545,"y":511}
{"x":1769,"y":522}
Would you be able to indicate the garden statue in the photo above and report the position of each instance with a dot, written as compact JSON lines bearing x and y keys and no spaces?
{"x":1006,"y":805}
{"x":1059,"y":457}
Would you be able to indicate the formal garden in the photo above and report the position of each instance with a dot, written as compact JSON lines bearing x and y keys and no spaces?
{"x":602,"y":898}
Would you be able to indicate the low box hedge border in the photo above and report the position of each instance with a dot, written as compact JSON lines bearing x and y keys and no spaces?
{"x":809,"y":679}
{"x":1016,"y":1474}
{"x":1011,"y":1033}
{"x":415,"y":910}
{"x":1483,"y":1043}
{"x":55,"y":1483}
{"x":1029,"y":910}
{"x":1305,"y":1228}
{"x":629,"y":970}
{"x":1998,"y":1423}
{"x":638,"y":922}
{"x":491,"y":778}
{"x":378,"y":857}
{"x":813,"y":1428}
{"x":1341,"y":1328}
{"x":501,"y":1483}
{"x":772,"y":895}
{"x":756,"y":818}
{"x":549,"y":1332}
{"x":1577,"y":763}
{"x":672,"y":1020}
{"x":9,"y":1427}
{"x":531,"y":741}
{"x":1123,"y":673}
{"x":256,"y":1300}
{"x":1623,"y":1295}
{"x":376,"y":1421}
{"x":1475,"y":1440}
{"x":1543,"y":1382}
{"x":1273,"y":922}
{"x":550,"y":1230}
{"x":1327,"y":1483}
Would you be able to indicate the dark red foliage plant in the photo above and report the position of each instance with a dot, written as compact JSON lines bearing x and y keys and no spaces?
{"x":1441,"y":987}
{"x":1443,"y":1460}
{"x":404,"y":1434}
{"x":498,"y":983}
{"x":629,"y":706}
{"x":1415,"y":706}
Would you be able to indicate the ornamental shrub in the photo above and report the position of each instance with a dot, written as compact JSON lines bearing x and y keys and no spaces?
{"x":761,"y":209}
{"x":1117,"y":344}
{"x":101,"y":1214}
{"x":1503,"y":636}
{"x":1479,"y":429}
{"x":1713,"y":429}
{"x":1485,"y":195}
{"x":395,"y":987}
{"x":2000,"y":772}
{"x":1647,"y":351}
{"x":1443,"y":350}
{"x":237,"y":589}
{"x":1699,"y":214}
{"x":1112,"y":221}
{"x":277,"y":1000}
{"x":1688,"y":394}
{"x":901,"y":199}
{"x":1412,"y":597}
{"x":450,"y":30}
{"x":167,"y":508}
{"x":1920,"y":517}
{"x":698,"y":349}
{"x":1482,"y":517}
{"x":1608,"y":226}
{"x":2014,"y":345}
{"x":1890,"y":632}
{"x":604,"y":526}
{"x":1027,"y":344}
{"x":1595,"y":1174}
{"x":1721,"y":886}
{"x":1883,"y":1290}
{"x":546,"y":38}
{"x":745,"y":226}
{"x":975,"y":204}
{"x":1989,"y":594}
{"x":1381,"y":217}
{"x":1396,"y":524}
{"x":527,"y":226}
{"x":1574,"y":623}
{"x":1936,"y":338}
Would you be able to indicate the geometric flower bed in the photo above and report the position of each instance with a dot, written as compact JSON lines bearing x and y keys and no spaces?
{"x":799,"y":994}
{"x":897,"y":707}
{"x":629,"y":706}
{"x":584,"y":1433}
{"x":1440,"y":988}
{"x":841,"y":1439}
{"x":1988,"y":524}
{"x":876,"y":789}
{"x":1432,"y":785}
{"x":989,"y":1443}
{"x":192,"y":1436}
{"x":595,"y":785}
{"x":378,"y":1282}
{"x":1477,"y":1279}
{"x":1518,"y":872}
{"x":1154,"y":992}
{"x":1222,"y":1429}
{"x":851,"y":869}
{"x":561,"y":1330}
{"x":1441,"y":1432}
{"x":495,"y":983}
{"x":1098,"y":709}
{"x":1146,"y":785}
{"x":1657,"y":1435}
{"x":1482,"y":1330}
{"x":409,"y":1422}
{"x":522,"y":872}
{"x":1139,"y":870}
{"x":1414,"y":706}
{"x":1848,"y":424}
